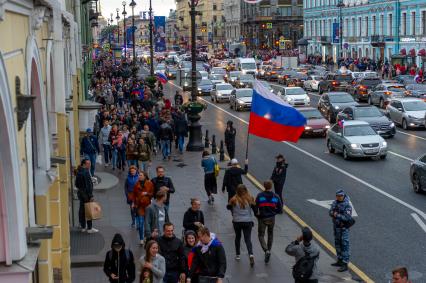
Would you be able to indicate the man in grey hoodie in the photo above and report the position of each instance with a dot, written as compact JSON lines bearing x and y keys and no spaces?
{"x":156,"y":215}
{"x":302,"y":246}
{"x":106,"y":144}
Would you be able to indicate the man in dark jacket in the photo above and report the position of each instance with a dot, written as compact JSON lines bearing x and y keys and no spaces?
{"x":268,"y":204}
{"x":165,"y":135}
{"x":278,"y":175}
{"x":162,"y":181}
{"x":83,"y":182}
{"x":119,"y":264}
{"x":90,"y":149}
{"x":171,"y":248}
{"x":233,"y":178}
{"x":230,"y":133}
{"x":209,"y":259}
{"x":193,"y":219}
{"x":181,"y":130}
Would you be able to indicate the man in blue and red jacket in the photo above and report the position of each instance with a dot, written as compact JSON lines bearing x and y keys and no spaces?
{"x":268,"y":204}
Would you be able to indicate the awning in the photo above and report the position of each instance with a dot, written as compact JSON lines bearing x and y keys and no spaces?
{"x":422,"y":52}
{"x":412,"y":52}
{"x":403,"y":51}
{"x":303,"y":41}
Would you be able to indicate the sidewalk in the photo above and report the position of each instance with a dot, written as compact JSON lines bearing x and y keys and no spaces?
{"x":88,"y":251}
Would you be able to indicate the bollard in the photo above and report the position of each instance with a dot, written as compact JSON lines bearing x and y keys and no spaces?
{"x":206,"y":140}
{"x":214,"y":146}
{"x":221,"y":152}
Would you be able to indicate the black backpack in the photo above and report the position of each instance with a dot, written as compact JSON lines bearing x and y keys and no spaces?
{"x":303,"y":268}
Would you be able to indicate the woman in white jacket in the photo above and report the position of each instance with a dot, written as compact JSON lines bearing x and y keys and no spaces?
{"x":153,"y":265}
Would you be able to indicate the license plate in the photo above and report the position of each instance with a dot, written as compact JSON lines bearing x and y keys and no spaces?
{"x":371,"y":151}
{"x":318,"y":131}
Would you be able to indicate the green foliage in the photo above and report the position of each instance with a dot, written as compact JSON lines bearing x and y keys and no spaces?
{"x":107,"y":30}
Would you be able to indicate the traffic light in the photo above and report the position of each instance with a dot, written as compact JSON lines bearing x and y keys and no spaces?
{"x":277,"y":42}
{"x":263,"y":26}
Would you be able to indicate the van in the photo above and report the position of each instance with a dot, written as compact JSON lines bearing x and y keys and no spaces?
{"x":247,"y":66}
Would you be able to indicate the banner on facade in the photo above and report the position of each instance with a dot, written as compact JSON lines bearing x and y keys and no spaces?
{"x":336,"y":33}
{"x":252,"y":1}
{"x":160,"y":33}
{"x":129,"y":36}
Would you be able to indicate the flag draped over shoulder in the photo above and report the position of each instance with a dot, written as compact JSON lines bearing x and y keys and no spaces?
{"x":272,"y":118}
{"x":161,"y":77}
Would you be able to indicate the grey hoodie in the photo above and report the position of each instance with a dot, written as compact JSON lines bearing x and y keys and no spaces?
{"x":104,"y":135}
{"x":298,"y":250}
{"x":153,"y":219}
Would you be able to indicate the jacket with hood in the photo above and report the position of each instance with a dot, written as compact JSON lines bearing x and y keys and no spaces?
{"x":144,"y":152}
{"x":344,"y":212}
{"x":298,"y":250}
{"x":190,"y":217}
{"x":211,"y":263}
{"x":165,"y":132}
{"x":131,"y":181}
{"x":279,"y":173}
{"x":143,"y":192}
{"x":181,"y":125}
{"x":233,"y":178}
{"x":151,"y":218}
{"x":230,"y":137}
{"x":104,"y":135}
{"x":120,"y":263}
{"x":268,"y":204}
{"x":84,"y":184}
{"x":172,"y":250}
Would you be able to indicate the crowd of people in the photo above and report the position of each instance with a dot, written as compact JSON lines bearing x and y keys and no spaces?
{"x":135,"y":124}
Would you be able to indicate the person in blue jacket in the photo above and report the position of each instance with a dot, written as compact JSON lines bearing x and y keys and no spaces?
{"x":89,"y":148}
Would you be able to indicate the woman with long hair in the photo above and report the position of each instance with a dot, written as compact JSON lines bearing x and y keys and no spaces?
{"x":241,"y":206}
{"x":143,"y":191}
{"x":153,"y":262}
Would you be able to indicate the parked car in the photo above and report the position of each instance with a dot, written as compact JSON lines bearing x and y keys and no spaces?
{"x":272,"y":73}
{"x":240,"y":99}
{"x":361,"y":87}
{"x":418,"y":174}
{"x":407,"y":112}
{"x":316,"y":125}
{"x":384,"y":92}
{"x":334,"y":82}
{"x":312,"y":82}
{"x":216,"y":78}
{"x":205,"y":87}
{"x":370,"y":114}
{"x":332,"y":103}
{"x":295,"y":96}
{"x":171,"y":72}
{"x":221,"y":92}
{"x":244,"y":81}
{"x":356,"y":139}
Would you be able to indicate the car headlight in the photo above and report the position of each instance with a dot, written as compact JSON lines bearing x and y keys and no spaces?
{"x":308,"y":99}
{"x":355,"y":145}
{"x":384,"y":144}
{"x":336,"y":107}
{"x":308,"y":128}
{"x":240,"y":102}
{"x":199,"y":89}
{"x":327,"y":126}
{"x":219,"y":94}
{"x":392,"y":125}
{"x":185,"y":84}
{"x":241,"y":83}
{"x":290,"y":98}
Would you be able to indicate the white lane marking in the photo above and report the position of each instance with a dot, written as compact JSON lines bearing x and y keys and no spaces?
{"x":327,"y":204}
{"x":419,"y":221}
{"x":401,"y":156}
{"x":411,"y":135}
{"x":365,"y":183}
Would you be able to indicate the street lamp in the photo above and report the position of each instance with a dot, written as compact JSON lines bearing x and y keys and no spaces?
{"x":151,"y":45}
{"x":118,"y":27}
{"x":340,"y":5}
{"x":133,"y":4}
{"x":124,"y":28}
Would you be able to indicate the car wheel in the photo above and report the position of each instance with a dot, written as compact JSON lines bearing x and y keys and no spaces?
{"x":319,"y":90}
{"x":370,"y":101}
{"x":235,"y":106}
{"x":417,"y":186}
{"x":345,"y":154}
{"x":330,"y":147}
{"x":382,"y":103}
{"x":212,"y":98}
{"x":383,"y":157}
{"x":230,"y":105}
{"x":404,"y":124}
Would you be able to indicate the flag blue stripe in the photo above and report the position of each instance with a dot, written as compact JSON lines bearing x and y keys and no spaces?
{"x":278,"y":113}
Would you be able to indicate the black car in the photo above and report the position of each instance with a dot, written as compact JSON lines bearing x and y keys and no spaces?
{"x":331,"y":103}
{"x":418,"y":174}
{"x":171,"y":72}
{"x":335,"y":82}
{"x":370,"y":114}
{"x":361,"y":87}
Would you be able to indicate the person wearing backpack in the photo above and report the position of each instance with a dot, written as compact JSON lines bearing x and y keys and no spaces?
{"x":119,"y":264}
{"x":306,"y":254}
{"x":209,"y":164}
{"x":341,"y":214}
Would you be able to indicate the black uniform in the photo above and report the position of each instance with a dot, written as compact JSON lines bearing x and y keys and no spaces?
{"x":230,"y":141}
{"x":232,"y":179}
{"x":278,"y":178}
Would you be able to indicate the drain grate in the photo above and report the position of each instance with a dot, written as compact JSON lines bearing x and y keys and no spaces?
{"x":86,"y":244}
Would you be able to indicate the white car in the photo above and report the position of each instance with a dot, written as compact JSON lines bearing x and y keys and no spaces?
{"x":312,"y":83}
{"x":204,"y":75}
{"x":295,"y":96}
{"x":221,"y":92}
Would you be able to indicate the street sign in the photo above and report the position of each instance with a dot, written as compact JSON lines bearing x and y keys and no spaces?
{"x":282,"y":44}
{"x":327,"y":204}
{"x":268,"y":25}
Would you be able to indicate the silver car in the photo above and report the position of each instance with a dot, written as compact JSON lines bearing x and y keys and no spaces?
{"x":407,"y":112}
{"x":240,"y":99}
{"x":221,"y":92}
{"x":356,"y":139}
{"x":384,"y":92}
{"x":216,"y":78}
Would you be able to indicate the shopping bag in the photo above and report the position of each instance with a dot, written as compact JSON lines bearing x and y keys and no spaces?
{"x":92,"y":210}
{"x":99,"y":159}
{"x":216,"y":170}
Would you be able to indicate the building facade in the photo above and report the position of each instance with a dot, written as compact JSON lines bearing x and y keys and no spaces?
{"x":172,"y":34}
{"x":40,"y":71}
{"x":263,"y":24}
{"x":232,"y":13}
{"x":370,"y":28}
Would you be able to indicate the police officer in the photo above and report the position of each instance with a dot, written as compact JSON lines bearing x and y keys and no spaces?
{"x":278,"y":175}
{"x":341,"y":213}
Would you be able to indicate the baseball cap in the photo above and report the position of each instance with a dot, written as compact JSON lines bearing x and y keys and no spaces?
{"x":88,"y":130}
{"x":234,"y":161}
{"x":340,"y":193}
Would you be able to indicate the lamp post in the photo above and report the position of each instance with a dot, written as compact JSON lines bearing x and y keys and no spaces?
{"x":151,"y":46}
{"x":133,"y":4}
{"x":340,"y":5}
{"x":111,"y":31}
{"x":118,"y":27}
{"x":124,"y":28}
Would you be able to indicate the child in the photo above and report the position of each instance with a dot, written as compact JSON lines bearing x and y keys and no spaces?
{"x":146,"y":275}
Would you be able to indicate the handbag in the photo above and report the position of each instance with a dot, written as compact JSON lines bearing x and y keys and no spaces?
{"x":92,"y":210}
{"x":99,"y":159}
{"x":216,"y":169}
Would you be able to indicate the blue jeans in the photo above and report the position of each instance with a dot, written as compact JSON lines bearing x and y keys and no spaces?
{"x":114,"y":158}
{"x":181,"y":141}
{"x":144,"y":166}
{"x":132,"y":162}
{"x":107,"y":153}
{"x":165,"y":148}
{"x":92,"y":158}
{"x":140,"y":220}
{"x":121,"y":158}
{"x":341,"y":243}
{"x":171,"y":277}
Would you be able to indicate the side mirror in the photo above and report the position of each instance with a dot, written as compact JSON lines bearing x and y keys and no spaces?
{"x":339,"y":134}
{"x":400,"y":109}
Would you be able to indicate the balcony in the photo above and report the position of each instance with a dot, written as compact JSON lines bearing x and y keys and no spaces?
{"x":325,"y":40}
{"x":377,"y":40}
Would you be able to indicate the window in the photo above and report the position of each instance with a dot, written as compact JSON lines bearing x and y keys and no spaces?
{"x":329,"y":27}
{"x":214,"y":7}
{"x":359,"y":26}
{"x":366,"y":26}
{"x":404,"y":24}
{"x":424,"y":22}
{"x":320,"y":27}
{"x":353,"y":27}
{"x":381,"y":24}
{"x":390,"y":25}
{"x":346,"y":27}
{"x":265,"y":11}
{"x":413,"y":23}
{"x":284,"y":11}
{"x":373,"y":32}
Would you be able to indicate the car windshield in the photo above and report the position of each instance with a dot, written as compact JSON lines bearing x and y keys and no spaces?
{"x":359,"y":130}
{"x":415,"y":105}
{"x":396,"y":88}
{"x":246,"y":77}
{"x":311,"y":114}
{"x":216,"y":77}
{"x":294,"y":91}
{"x":224,"y":87}
{"x":186,"y":65}
{"x":244,"y":93}
{"x":161,"y":67}
{"x":265,"y":84}
{"x":218,"y":71}
{"x":343,"y":78}
{"x":341,"y":98}
{"x":248,"y":66}
{"x":205,"y":82}
{"x":234,"y":74}
{"x":367,"y":112}
{"x":370,"y":82}
{"x":418,"y":87}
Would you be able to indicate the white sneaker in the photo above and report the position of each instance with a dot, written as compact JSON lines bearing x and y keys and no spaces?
{"x":83,"y":230}
{"x":93,"y":230}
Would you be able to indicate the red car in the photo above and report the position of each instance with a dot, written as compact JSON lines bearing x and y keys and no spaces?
{"x":316,"y":124}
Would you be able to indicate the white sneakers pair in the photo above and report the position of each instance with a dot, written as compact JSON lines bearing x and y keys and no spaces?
{"x":89,"y":231}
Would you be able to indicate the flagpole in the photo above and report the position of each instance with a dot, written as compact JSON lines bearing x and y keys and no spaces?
{"x":248,"y":138}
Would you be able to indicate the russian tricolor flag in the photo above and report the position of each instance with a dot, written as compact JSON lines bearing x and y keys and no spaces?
{"x":272,"y":118}
{"x":161,"y":77}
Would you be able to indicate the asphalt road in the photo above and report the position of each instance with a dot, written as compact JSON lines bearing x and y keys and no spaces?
{"x":386,"y":233}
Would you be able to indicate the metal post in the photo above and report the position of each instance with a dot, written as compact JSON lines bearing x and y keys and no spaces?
{"x":124,"y":29}
{"x":151,"y":46}
{"x":206,"y":140}
{"x":133,"y":4}
{"x":214,"y":146}
{"x":340,"y":5}
{"x":118,"y":27}
{"x":193,"y":53}
{"x":221,"y":151}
